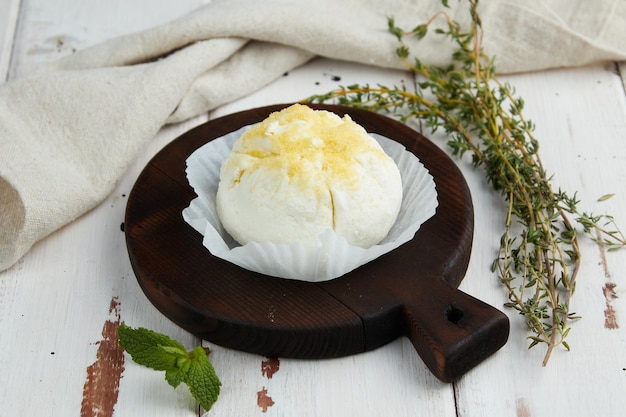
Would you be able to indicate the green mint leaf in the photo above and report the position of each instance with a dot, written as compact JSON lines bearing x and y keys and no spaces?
{"x":202,"y":380}
{"x":159,"y":352}
{"x":175,"y":376}
{"x":149,"y":348}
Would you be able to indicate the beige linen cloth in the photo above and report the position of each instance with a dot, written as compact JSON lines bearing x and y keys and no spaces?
{"x":68,"y":132}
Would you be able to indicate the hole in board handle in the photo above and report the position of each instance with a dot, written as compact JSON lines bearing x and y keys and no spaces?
{"x":454,"y":314}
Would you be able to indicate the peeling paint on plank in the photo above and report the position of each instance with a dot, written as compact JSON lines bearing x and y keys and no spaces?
{"x":521,"y":408}
{"x":269,"y":367}
{"x":610,"y":318}
{"x":263,"y":400}
{"x":101,"y":387}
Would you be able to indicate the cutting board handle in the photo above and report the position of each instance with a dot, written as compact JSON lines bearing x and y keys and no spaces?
{"x":452,"y":331}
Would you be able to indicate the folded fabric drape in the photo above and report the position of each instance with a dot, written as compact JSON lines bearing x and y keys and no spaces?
{"x":69,"y":131}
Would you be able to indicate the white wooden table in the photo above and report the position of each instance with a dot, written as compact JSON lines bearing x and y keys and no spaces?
{"x":59,"y":305}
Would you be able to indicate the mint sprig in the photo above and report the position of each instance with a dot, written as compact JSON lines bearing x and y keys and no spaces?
{"x":161,"y":353}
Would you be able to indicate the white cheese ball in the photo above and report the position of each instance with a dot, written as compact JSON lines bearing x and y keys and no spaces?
{"x":302,"y":171}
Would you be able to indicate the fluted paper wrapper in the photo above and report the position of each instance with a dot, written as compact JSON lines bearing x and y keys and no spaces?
{"x":333,"y":256}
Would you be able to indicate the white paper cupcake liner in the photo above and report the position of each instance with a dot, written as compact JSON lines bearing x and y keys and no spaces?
{"x":333,"y":256}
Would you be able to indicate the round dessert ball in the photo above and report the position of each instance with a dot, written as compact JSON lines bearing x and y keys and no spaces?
{"x":302,"y":171}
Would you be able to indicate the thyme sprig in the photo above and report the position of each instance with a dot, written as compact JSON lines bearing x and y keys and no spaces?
{"x":539,"y":255}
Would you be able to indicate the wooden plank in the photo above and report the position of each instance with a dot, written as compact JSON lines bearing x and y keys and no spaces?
{"x":9,"y":12}
{"x":58,"y":306}
{"x":391,"y":380}
{"x":50,"y":30}
{"x":580,"y":121}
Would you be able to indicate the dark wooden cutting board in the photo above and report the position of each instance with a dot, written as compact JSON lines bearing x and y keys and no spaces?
{"x":411,"y":291}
